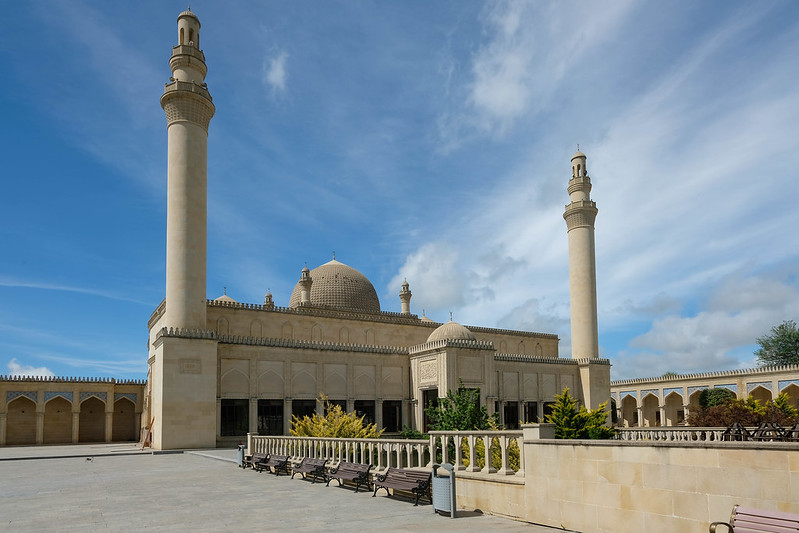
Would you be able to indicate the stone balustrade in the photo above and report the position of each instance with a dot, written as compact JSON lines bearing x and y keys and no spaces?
{"x":450,"y":443}
{"x":382,"y":453}
{"x":670,"y":434}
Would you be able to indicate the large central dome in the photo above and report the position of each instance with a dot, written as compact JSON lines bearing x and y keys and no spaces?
{"x":335,"y":284}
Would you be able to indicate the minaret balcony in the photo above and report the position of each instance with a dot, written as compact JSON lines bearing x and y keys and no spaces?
{"x":189,"y":87}
{"x":582,"y":183}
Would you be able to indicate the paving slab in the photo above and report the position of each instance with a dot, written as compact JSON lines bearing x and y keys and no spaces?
{"x":104,"y":488}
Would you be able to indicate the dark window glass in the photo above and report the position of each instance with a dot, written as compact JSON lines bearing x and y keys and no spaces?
{"x":511,"y":415}
{"x":531,"y":412}
{"x":301,"y":408}
{"x":392,"y":415}
{"x":235,"y":418}
{"x":366,"y":409}
{"x":270,"y":417}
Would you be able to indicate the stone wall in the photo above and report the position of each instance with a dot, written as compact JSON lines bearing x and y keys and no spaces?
{"x":607,"y":486}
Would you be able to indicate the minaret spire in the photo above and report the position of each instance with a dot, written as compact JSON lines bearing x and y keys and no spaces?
{"x":580,"y":215}
{"x":189,"y":108}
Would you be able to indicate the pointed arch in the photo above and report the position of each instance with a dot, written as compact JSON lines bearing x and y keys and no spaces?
{"x":92,"y":420}
{"x":58,"y":421}
{"x":124,"y":428}
{"x":21,"y":421}
{"x":316,"y":333}
{"x":222,"y":326}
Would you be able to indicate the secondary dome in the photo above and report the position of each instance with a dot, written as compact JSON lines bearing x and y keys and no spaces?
{"x":335,"y":284}
{"x":451,"y":331}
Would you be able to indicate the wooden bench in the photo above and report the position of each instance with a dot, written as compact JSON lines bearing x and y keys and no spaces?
{"x":751,"y":520}
{"x":278,"y":463}
{"x":252,"y":460}
{"x":415,"y":481}
{"x":355,"y":472}
{"x":314,"y":467}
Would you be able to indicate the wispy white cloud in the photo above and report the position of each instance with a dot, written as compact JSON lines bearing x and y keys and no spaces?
{"x":17,"y":369}
{"x":45,"y":286}
{"x":275,"y":74}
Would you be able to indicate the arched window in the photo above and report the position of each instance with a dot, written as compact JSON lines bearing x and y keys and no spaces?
{"x":181,"y":35}
{"x":579,"y":170}
{"x":191,"y":35}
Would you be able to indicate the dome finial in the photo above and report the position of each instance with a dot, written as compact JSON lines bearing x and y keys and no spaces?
{"x":334,"y":255}
{"x":450,"y":316}
{"x":224,"y":291}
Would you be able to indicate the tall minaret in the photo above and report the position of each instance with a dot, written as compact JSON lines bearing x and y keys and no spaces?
{"x":405,"y":297}
{"x":189,"y":109}
{"x":580,"y":215}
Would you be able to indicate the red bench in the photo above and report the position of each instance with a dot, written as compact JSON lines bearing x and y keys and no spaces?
{"x":751,"y":520}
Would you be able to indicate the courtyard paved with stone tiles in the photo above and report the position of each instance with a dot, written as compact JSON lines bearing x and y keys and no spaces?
{"x":115,"y":487}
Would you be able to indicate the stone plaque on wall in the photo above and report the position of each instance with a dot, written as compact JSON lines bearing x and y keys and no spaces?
{"x":190,"y":366}
{"x":428,"y":371}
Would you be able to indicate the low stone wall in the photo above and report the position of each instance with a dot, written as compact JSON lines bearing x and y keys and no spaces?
{"x":615,"y":487}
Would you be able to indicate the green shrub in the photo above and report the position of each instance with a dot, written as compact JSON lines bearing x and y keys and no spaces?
{"x":573,"y":423}
{"x":335,"y":423}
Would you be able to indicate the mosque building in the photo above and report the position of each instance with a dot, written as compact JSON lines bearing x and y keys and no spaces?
{"x":220,"y":368}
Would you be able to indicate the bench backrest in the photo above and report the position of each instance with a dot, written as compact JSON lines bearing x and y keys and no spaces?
{"x":354,"y":467}
{"x":414,"y":475}
{"x":762,"y":520}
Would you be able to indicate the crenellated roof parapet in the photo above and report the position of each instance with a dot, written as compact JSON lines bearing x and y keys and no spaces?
{"x":313,"y":345}
{"x":61,"y":379}
{"x":187,"y":333}
{"x":451,"y":343}
{"x":382,"y":316}
{"x":524,"y":358}
{"x":706,"y":375}
{"x":157,"y":314}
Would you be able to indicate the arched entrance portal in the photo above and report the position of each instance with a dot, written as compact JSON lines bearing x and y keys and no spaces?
{"x":21,"y":421}
{"x":629,"y":411}
{"x":792,"y":391}
{"x":651,"y":411}
{"x":58,"y":421}
{"x":761,"y":394}
{"x":124,"y":421}
{"x":675,"y":414}
{"x":92,"y":420}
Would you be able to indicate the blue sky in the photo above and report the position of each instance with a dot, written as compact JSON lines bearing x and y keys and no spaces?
{"x":421,"y":140}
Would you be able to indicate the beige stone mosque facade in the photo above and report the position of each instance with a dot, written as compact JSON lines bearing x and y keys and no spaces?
{"x":222,"y":368}
{"x":219,"y":369}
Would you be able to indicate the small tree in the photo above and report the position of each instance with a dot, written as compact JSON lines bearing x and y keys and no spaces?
{"x":459,"y":411}
{"x":781,"y":347}
{"x":334,"y":423}
{"x":713,"y":397}
{"x":573,"y":423}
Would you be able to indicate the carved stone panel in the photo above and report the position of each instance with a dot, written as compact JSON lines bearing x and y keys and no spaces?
{"x":364,"y":381}
{"x":235,"y":378}
{"x":336,"y":381}
{"x":549,"y":386}
{"x":270,"y":379}
{"x":530,"y":387}
{"x":510,"y":386}
{"x":392,"y":382}
{"x":303,"y":380}
{"x":428,"y":371}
